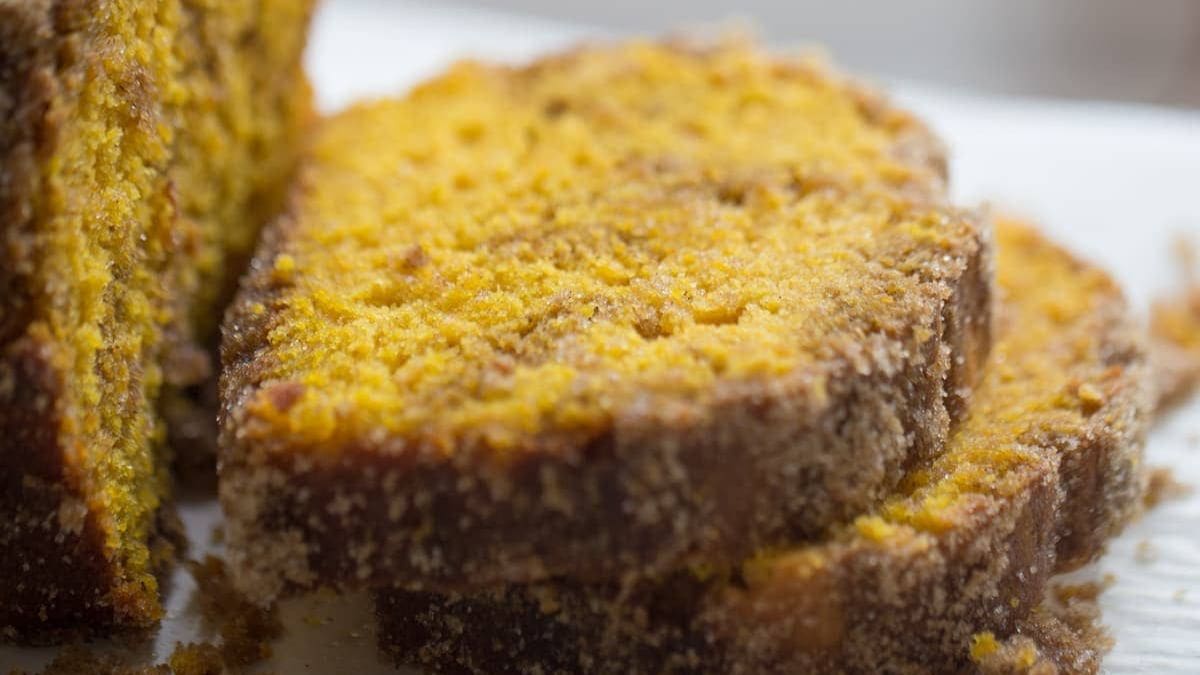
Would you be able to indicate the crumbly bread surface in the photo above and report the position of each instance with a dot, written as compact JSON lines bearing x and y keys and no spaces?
{"x":1175,"y":328}
{"x":1041,"y":472}
{"x":614,"y":310}
{"x":139,"y":142}
{"x":1054,"y":639}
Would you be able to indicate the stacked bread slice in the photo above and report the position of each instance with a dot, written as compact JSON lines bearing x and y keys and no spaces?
{"x":667,"y":357}
{"x":648,"y":357}
{"x":142,"y":144}
{"x":1036,"y":478}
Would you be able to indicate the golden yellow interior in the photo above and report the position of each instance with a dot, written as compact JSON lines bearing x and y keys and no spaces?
{"x":244,"y":106}
{"x":507,"y":251}
{"x":147,"y":128}
{"x":105,"y":223}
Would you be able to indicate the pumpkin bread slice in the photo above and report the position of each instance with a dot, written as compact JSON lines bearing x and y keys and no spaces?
{"x":141,"y":144}
{"x":1041,"y":472}
{"x":618,"y":309}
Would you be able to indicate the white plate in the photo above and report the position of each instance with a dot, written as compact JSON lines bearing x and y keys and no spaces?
{"x":1116,"y":183}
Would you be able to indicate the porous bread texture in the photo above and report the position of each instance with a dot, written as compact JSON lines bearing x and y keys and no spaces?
{"x":599,"y":315}
{"x":1044,"y":469}
{"x":247,"y":109}
{"x":140,"y":142}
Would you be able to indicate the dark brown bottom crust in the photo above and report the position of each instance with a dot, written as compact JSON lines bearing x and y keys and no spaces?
{"x":66,"y":590}
{"x":56,"y":581}
{"x":190,"y":414}
{"x":666,"y":628}
{"x":902,"y":611}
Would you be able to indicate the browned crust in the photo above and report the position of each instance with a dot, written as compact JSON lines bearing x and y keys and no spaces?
{"x":26,"y":85}
{"x":655,"y":490}
{"x":910,"y":605}
{"x":1103,"y":479}
{"x":909,"y":609}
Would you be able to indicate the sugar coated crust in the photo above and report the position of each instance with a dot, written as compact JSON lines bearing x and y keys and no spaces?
{"x":551,"y":333}
{"x":1054,"y":639}
{"x":1044,"y":469}
{"x":126,"y":196}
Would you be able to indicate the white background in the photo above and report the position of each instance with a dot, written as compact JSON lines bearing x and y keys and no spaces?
{"x":1116,"y":183}
{"x":1110,"y":49}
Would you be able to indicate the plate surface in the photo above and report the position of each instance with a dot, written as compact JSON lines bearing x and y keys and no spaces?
{"x":1118,"y":184}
